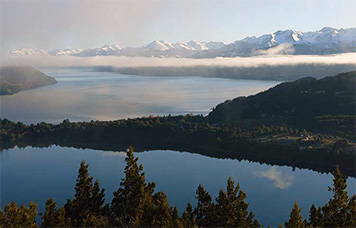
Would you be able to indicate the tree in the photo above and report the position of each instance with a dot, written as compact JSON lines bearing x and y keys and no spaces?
{"x":87,"y":204}
{"x":295,"y":218}
{"x":340,"y":210}
{"x":162,"y":211}
{"x":231,"y":209}
{"x":204,"y":207}
{"x":14,"y":216}
{"x":176,"y":221}
{"x":133,"y":196}
{"x":188,"y":218}
{"x":53,"y":217}
{"x":315,"y":217}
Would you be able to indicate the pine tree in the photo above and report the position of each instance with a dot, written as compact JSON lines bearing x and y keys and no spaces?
{"x":87,"y":204}
{"x":188,"y":218}
{"x":338,"y":211}
{"x":204,"y":207}
{"x":14,"y":216}
{"x":231,"y":209}
{"x":295,"y":218}
{"x":315,"y":217}
{"x":162,"y":212}
{"x":130,"y":199}
{"x":176,"y":221}
{"x":53,"y":217}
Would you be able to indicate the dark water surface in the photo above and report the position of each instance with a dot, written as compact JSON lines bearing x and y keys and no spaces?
{"x":38,"y":173}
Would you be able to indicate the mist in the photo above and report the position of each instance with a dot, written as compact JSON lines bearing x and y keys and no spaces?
{"x":120,"y":61}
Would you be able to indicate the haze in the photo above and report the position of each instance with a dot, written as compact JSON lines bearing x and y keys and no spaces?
{"x":87,"y":24}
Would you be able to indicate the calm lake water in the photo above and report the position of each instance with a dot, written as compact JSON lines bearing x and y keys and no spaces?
{"x":83,"y":96}
{"x":36,"y":174}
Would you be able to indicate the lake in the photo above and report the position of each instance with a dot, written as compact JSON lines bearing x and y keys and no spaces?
{"x":82,"y":95}
{"x":38,"y":173}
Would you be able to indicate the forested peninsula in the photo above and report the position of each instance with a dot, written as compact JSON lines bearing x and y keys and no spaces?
{"x":307,"y":123}
{"x":14,"y":79}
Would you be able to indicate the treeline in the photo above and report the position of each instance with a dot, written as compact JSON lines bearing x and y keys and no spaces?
{"x":275,"y":145}
{"x":136,"y":204}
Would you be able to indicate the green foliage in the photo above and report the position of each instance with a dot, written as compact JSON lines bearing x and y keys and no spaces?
{"x":319,"y":105}
{"x":340,"y":210}
{"x":231,"y":208}
{"x":14,"y":216}
{"x":86,"y":208}
{"x":53,"y":217}
{"x":295,"y":219}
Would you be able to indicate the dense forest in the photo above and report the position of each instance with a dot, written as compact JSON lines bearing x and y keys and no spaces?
{"x":136,"y":204}
{"x":326,"y":105}
{"x":276,"y":145}
{"x":14,"y":79}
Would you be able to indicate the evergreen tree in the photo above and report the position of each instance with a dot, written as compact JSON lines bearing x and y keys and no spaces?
{"x":188,"y":218}
{"x":87,"y":204}
{"x":133,"y":195}
{"x":315,"y":217}
{"x":295,"y":218}
{"x":53,"y":217}
{"x":176,"y":221}
{"x":14,"y":216}
{"x":231,"y":209}
{"x":162,"y":212}
{"x":340,"y":210}
{"x":204,"y":207}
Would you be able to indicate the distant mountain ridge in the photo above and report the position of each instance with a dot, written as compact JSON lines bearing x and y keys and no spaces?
{"x":322,"y":42}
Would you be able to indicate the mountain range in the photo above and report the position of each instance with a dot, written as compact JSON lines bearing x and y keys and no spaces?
{"x":322,"y":42}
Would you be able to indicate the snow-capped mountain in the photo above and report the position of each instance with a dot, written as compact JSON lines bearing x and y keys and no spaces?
{"x":29,"y":51}
{"x":325,"y":41}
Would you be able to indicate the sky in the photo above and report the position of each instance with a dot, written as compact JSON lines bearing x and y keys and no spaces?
{"x":54,"y":24}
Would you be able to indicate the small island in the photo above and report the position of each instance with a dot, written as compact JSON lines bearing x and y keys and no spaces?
{"x":14,"y":79}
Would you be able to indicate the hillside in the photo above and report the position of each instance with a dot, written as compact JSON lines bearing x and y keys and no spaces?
{"x":307,"y":102}
{"x":14,"y":79}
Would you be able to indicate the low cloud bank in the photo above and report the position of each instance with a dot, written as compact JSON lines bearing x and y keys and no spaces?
{"x":269,"y":59}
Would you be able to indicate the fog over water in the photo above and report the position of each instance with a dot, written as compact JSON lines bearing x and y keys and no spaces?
{"x":82,"y":95}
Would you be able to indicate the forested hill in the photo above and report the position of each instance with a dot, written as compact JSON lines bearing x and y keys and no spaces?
{"x":14,"y":79}
{"x":306,"y":101}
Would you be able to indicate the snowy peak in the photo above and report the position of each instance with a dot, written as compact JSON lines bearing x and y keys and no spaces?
{"x":324,"y":36}
{"x":324,"y":41}
{"x":29,"y":51}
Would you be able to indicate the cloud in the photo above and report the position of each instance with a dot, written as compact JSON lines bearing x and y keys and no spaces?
{"x":280,"y":180}
{"x":121,"y":61}
{"x":282,"y":49}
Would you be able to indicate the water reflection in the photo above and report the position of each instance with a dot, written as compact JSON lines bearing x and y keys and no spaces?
{"x":280,"y":179}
